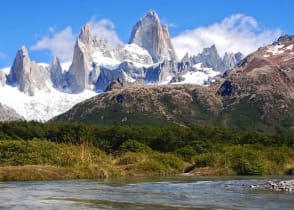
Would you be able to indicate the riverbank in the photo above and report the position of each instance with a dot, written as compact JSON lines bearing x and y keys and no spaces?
{"x":43,"y":160}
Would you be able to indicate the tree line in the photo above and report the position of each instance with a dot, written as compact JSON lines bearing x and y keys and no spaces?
{"x":200,"y":138}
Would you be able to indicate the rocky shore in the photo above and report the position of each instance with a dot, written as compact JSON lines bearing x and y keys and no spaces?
{"x":277,"y":186}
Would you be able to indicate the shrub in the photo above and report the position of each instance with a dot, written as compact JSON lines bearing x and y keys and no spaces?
{"x":130,"y":158}
{"x":134,"y":146}
{"x":205,"y":160}
{"x":169,"y":160}
{"x":246,"y":161}
{"x":186,"y":152}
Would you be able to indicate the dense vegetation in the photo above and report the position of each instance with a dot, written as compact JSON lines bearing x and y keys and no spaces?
{"x":145,"y":149}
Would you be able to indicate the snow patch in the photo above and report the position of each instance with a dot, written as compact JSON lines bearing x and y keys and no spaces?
{"x":290,"y":47}
{"x":65,"y":66}
{"x":100,"y":60}
{"x":276,"y":49}
{"x":197,"y":77}
{"x":44,"y":65}
{"x":135,"y":49}
{"x":136,"y":55}
{"x":128,"y":78}
{"x":43,"y":105}
{"x":6,"y":70}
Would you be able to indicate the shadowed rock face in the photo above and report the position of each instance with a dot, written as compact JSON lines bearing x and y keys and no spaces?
{"x":27,"y":75}
{"x":8,"y":114}
{"x":149,"y":34}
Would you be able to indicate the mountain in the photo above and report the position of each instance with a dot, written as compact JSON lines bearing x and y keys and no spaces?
{"x":40,"y":91}
{"x":210,"y":58}
{"x":149,"y":34}
{"x":257,"y":94}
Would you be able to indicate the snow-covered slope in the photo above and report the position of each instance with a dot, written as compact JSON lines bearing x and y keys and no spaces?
{"x":198,"y":75}
{"x":43,"y":105}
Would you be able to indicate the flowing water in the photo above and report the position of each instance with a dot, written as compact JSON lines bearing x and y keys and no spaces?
{"x":161,"y":193}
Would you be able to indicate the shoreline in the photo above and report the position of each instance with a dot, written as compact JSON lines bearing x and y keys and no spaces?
{"x":51,"y":173}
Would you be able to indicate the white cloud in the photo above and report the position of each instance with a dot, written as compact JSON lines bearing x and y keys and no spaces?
{"x":235,"y":33}
{"x":105,"y":29}
{"x":60,"y":43}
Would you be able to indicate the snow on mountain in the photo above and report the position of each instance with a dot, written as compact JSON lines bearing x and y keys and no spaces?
{"x":43,"y":105}
{"x":139,"y":56}
{"x":65,"y":66}
{"x":100,"y":60}
{"x":199,"y":75}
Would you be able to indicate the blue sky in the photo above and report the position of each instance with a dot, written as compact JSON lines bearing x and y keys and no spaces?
{"x":193,"y":24}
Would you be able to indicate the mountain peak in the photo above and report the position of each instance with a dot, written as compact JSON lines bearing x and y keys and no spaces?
{"x":286,"y":39}
{"x":23,"y":51}
{"x":149,"y":34}
{"x":151,"y":13}
{"x":55,"y":61}
{"x":85,"y":35}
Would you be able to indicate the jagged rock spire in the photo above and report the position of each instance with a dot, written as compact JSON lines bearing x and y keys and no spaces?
{"x":148,"y":33}
{"x":19,"y":69}
{"x":56,"y":72}
{"x":26,"y":74}
{"x":86,"y":36}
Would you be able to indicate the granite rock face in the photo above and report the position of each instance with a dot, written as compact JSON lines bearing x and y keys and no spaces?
{"x":27,"y":75}
{"x":149,"y":34}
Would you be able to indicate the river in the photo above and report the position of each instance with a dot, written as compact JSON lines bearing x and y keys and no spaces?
{"x":142,"y":193}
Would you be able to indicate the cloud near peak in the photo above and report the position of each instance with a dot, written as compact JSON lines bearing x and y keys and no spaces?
{"x":61,"y":43}
{"x":237,"y":33}
{"x":105,"y":29}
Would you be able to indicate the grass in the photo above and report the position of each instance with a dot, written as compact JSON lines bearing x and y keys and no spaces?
{"x":39,"y":160}
{"x":43,"y":160}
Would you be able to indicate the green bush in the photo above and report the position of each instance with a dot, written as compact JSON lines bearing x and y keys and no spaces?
{"x":130,"y":158}
{"x":277,"y":155}
{"x":134,"y":146}
{"x":246,"y":161}
{"x":186,"y":153}
{"x":205,"y":160}
{"x":170,"y":161}
{"x":153,"y":167}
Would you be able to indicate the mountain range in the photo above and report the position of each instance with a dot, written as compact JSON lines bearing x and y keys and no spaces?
{"x":39,"y":91}
{"x":257,"y":94}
